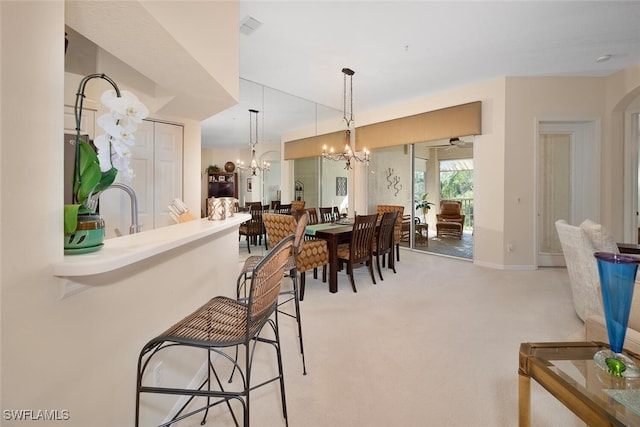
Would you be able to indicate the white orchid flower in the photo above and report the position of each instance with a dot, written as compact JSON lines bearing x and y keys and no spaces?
{"x":127,"y":105}
{"x":121,"y":162}
{"x":114,"y":129}
{"x":103,"y":144}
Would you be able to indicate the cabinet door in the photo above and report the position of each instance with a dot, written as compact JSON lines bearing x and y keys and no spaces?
{"x":167,"y":170}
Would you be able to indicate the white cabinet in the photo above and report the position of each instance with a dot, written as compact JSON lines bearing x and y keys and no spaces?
{"x":156,"y":160}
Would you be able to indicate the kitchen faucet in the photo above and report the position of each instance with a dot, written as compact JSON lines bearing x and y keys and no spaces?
{"x":134,"y":228}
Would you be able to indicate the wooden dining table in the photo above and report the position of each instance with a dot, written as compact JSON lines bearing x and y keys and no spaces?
{"x":334,"y":234}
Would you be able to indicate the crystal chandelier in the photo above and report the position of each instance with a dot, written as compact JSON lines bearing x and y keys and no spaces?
{"x":348,"y":154}
{"x":254,"y":166}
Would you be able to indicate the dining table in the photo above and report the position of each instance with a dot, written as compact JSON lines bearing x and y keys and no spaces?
{"x":334,"y":234}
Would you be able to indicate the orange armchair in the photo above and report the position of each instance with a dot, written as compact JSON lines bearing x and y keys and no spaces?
{"x":450,"y":220}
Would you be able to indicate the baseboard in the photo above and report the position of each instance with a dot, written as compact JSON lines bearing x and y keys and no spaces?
{"x":506,"y":267}
{"x":195,"y":382}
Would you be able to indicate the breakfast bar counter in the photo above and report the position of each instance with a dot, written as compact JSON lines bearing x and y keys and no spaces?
{"x":126,"y":250}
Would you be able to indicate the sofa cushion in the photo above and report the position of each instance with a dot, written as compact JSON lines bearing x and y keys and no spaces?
{"x":599,"y":236}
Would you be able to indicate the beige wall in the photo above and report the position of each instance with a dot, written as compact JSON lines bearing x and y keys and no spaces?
{"x":530,"y":100}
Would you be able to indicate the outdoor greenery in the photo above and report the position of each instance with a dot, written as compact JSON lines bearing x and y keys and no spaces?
{"x":456,"y":184}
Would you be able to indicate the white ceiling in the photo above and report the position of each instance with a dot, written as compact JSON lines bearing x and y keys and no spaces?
{"x":402,"y":50}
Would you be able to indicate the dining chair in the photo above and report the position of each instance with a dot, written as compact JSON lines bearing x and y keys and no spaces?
{"x":220,"y":325}
{"x":313,"y":216}
{"x":325,"y":214}
{"x":383,"y":241}
{"x":397,"y":235}
{"x":297,"y":205}
{"x":278,"y":227}
{"x":253,"y":229}
{"x":283,"y":209}
{"x":358,"y":251}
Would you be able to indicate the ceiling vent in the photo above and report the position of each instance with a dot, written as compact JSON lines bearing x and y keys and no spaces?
{"x":248,"y":25}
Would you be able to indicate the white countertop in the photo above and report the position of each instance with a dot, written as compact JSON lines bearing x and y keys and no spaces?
{"x":125,"y":250}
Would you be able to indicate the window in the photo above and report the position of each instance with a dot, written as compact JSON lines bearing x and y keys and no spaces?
{"x":456,"y":183}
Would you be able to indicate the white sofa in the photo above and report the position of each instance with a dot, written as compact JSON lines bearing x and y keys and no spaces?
{"x":578,"y":245}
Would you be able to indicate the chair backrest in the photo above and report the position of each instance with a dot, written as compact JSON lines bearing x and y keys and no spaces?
{"x":364,"y":228}
{"x":255,"y":225}
{"x":302,"y":221}
{"x":450,"y":208}
{"x":325,"y":214}
{"x":265,"y":285}
{"x":283,"y":209}
{"x":278,"y":227}
{"x":297,"y":205}
{"x":582,"y":268}
{"x":385,"y":241}
{"x":381,"y":209}
{"x":313,"y":215}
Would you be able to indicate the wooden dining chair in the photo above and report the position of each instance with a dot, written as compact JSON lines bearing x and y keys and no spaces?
{"x":325,"y":214}
{"x":383,"y":242}
{"x":283,"y":209}
{"x":313,"y":216}
{"x":358,"y":251}
{"x":397,"y":236}
{"x":253,"y":229}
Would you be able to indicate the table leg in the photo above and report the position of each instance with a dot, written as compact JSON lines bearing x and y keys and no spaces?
{"x":524,"y":400}
{"x":332,"y":246}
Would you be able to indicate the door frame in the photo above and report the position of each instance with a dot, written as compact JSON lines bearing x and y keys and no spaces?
{"x":631,"y":186}
{"x":585,"y":177}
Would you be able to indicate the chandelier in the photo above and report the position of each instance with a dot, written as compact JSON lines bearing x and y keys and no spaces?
{"x":348,"y":154}
{"x":254,"y":166}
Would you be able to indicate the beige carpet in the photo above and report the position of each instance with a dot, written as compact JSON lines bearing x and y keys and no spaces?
{"x":434,"y":345}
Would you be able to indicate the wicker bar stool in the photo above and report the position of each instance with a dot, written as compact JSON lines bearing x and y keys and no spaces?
{"x":279,"y":226}
{"x":225,"y":323}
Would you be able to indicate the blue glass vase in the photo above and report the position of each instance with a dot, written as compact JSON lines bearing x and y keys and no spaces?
{"x":617,"y":279}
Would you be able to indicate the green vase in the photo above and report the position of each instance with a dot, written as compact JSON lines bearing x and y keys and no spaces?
{"x":88,"y":237}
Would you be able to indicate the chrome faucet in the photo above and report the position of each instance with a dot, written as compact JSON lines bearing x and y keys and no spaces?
{"x":134,"y":228}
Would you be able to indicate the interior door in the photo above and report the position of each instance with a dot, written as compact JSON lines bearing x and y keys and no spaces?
{"x":167,"y":170}
{"x":156,"y":160}
{"x":568,"y":183}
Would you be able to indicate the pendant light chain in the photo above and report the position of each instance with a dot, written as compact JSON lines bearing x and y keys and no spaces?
{"x":348,"y":113}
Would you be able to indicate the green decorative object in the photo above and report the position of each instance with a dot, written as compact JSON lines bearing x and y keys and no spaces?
{"x":616,"y":367}
{"x":87,"y":237}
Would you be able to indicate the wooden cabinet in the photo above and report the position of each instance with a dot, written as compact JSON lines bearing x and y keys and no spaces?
{"x":223,"y":184}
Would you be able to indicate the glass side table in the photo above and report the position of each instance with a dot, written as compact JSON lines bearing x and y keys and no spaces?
{"x":568,"y":372}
